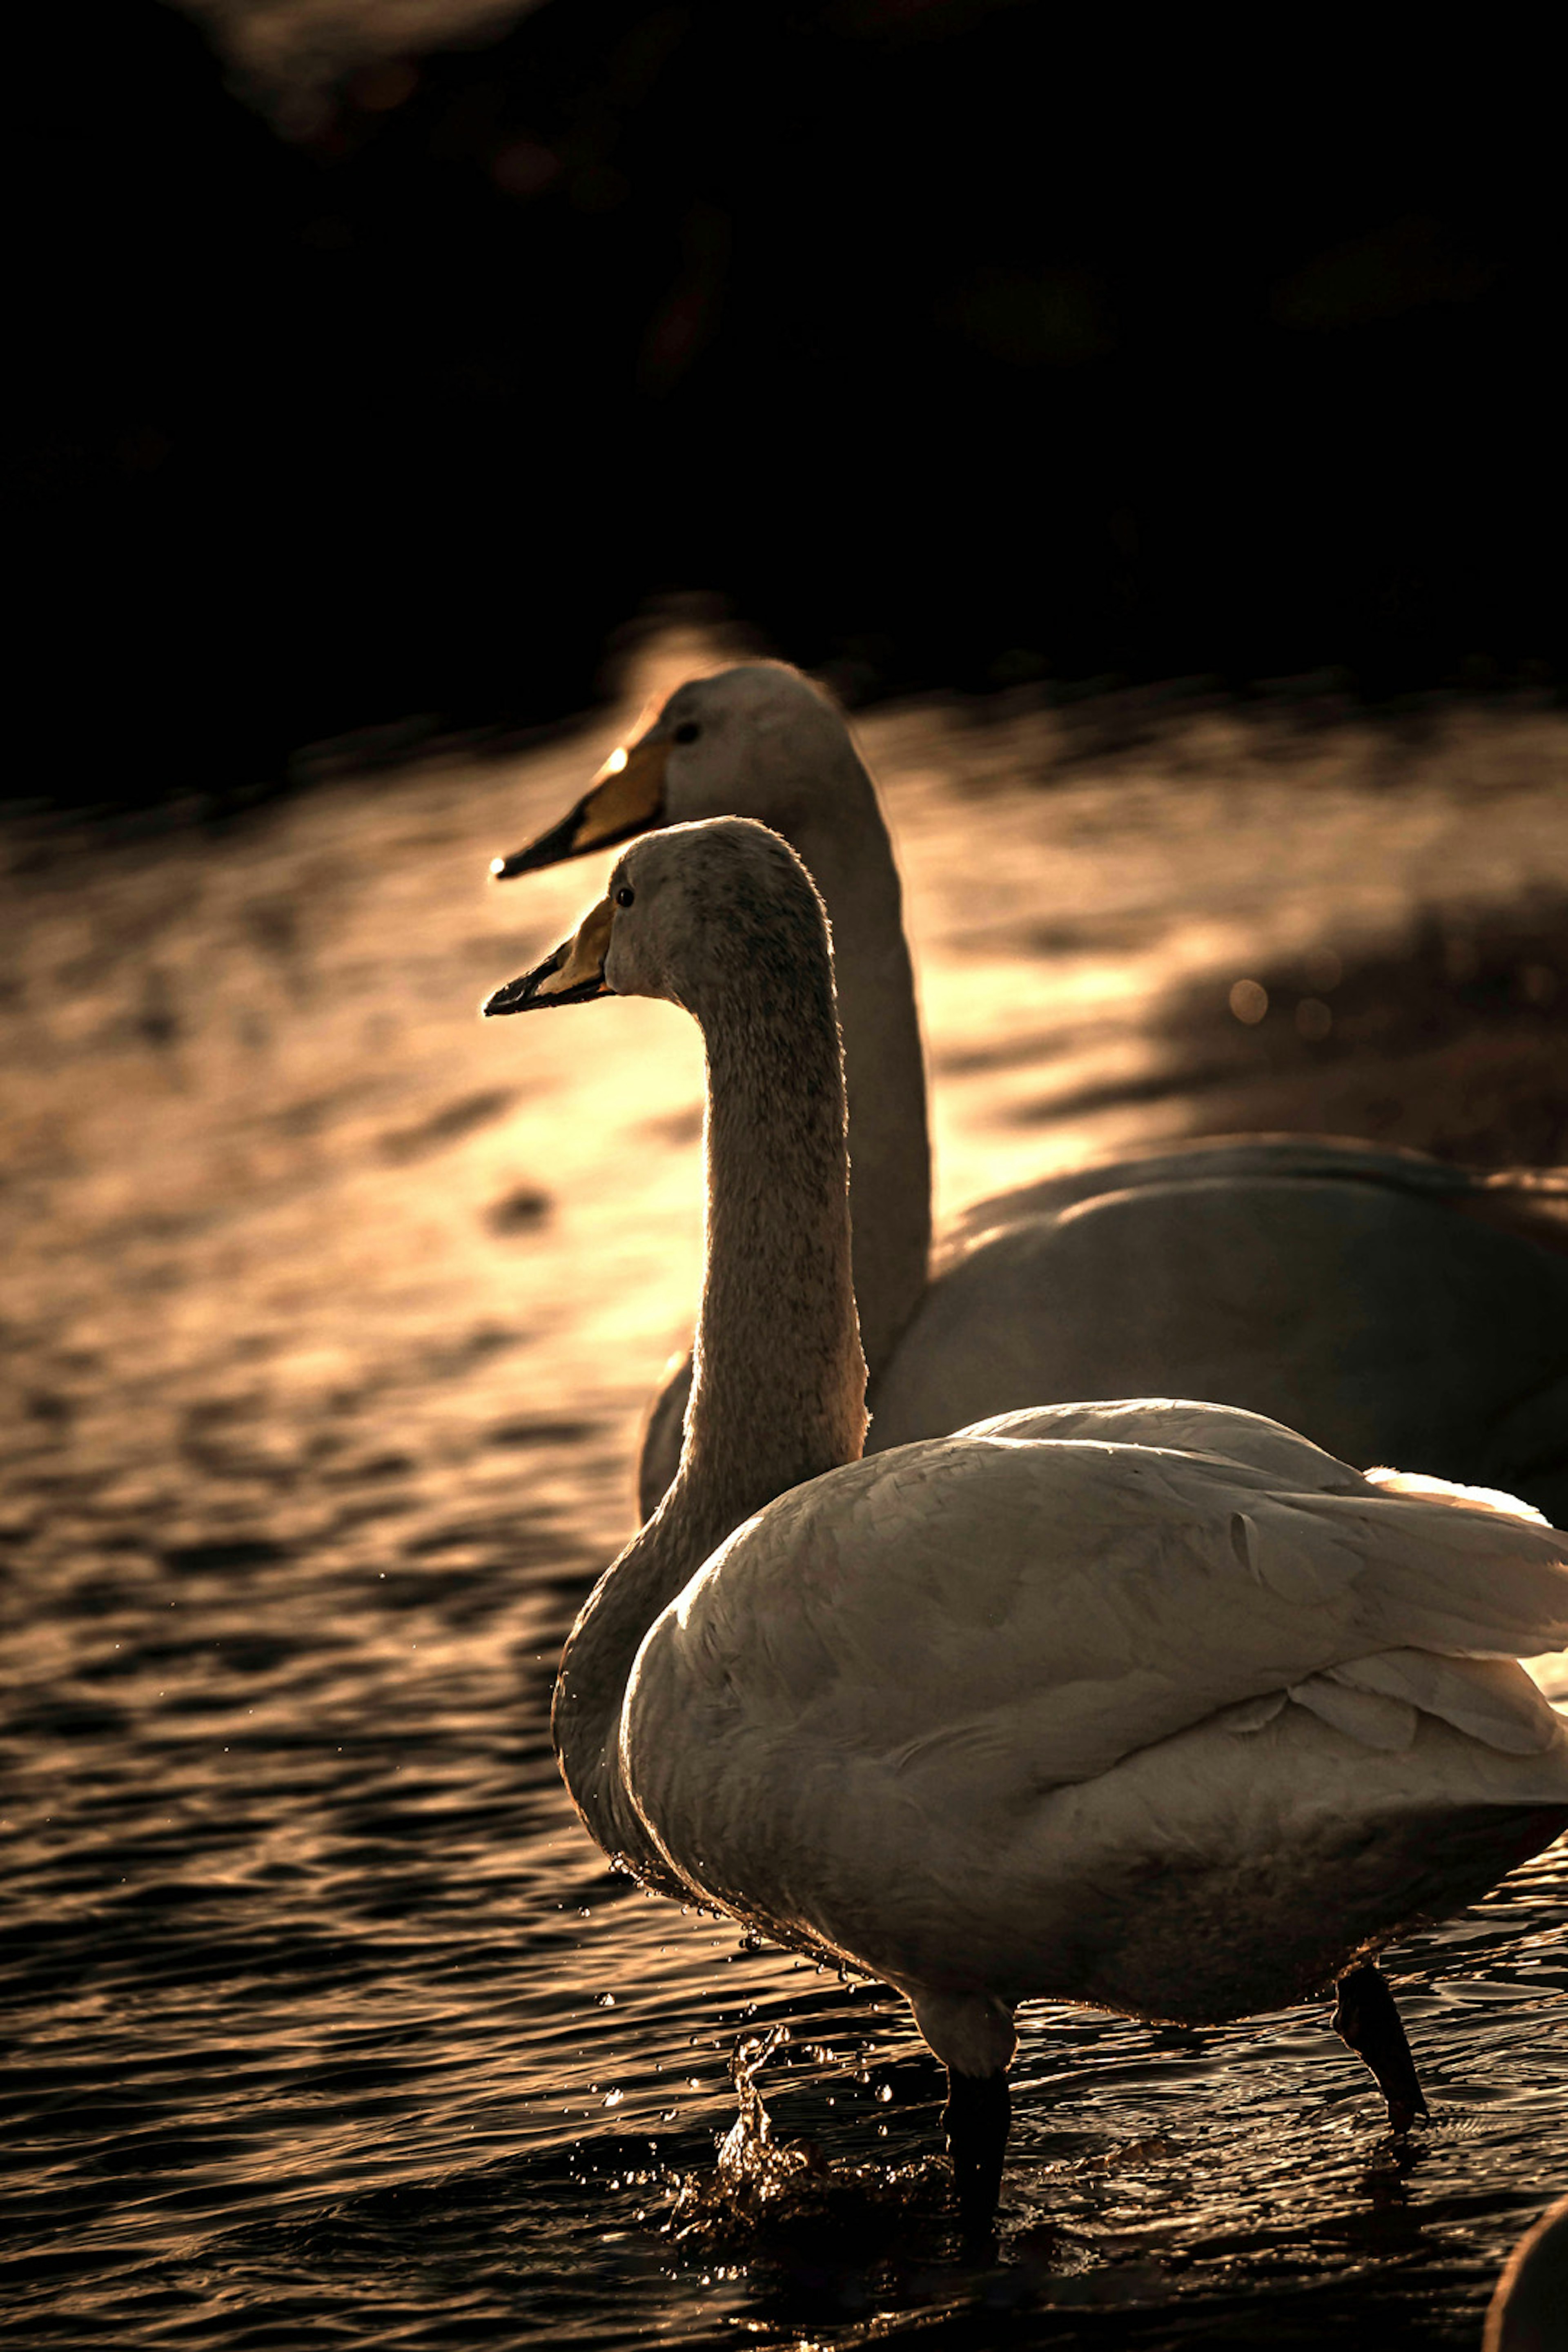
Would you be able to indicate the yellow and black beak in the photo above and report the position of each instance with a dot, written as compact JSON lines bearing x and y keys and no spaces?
{"x":575,"y":974}
{"x":625,"y":797}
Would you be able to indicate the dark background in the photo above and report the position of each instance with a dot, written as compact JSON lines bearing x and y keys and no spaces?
{"x":964,"y":344}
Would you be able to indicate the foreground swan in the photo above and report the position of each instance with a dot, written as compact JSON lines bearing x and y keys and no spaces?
{"x":1393,"y":1307}
{"x":1152,"y":1705}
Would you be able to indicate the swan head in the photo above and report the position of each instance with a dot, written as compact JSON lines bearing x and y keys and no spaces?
{"x":687,"y":911}
{"x":757,"y":740}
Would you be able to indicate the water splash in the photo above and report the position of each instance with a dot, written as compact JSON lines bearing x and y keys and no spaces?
{"x":755,"y":2169}
{"x":785,"y":2200}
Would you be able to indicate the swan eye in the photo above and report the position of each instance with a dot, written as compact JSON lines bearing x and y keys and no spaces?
{"x":687,"y":732}
{"x":624,"y":895}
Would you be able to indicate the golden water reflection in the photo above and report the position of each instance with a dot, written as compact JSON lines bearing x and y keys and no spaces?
{"x":330,"y":1313}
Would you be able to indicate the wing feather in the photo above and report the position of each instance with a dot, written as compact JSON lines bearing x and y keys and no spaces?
{"x":996,"y":1614}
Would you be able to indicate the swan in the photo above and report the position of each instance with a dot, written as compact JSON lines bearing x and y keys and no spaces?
{"x":1529,"y":2310}
{"x":1395,"y":1307}
{"x":1150,"y":1705}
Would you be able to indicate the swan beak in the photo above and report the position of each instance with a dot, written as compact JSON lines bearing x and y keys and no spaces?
{"x":575,"y":974}
{"x":627,"y":796}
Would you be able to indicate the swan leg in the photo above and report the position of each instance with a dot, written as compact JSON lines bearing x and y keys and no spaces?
{"x":1365,"y":2017}
{"x":978,"y":2116}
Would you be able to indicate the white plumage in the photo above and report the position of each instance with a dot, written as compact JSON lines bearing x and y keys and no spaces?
{"x":1152,"y":1704}
{"x":986,"y":1713}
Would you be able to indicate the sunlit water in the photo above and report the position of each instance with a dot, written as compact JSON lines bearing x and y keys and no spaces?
{"x":327,"y":1315}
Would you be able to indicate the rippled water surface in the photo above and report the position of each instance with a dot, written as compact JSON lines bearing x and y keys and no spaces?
{"x":327,"y":1315}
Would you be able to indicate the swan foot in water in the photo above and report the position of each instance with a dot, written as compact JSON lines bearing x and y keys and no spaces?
{"x":977,"y":2118}
{"x":1366,"y":2020}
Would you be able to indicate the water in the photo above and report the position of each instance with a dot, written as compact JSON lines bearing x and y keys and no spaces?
{"x":328,"y":1316}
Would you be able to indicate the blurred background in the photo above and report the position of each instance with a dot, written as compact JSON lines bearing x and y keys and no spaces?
{"x":381,"y":362}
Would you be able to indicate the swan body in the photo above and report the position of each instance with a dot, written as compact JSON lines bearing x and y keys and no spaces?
{"x":1101,"y":1717}
{"x":1392,"y":1307}
{"x":1153,"y":1705}
{"x":1395,"y":1326}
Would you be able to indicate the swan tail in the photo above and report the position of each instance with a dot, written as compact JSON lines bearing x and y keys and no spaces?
{"x":1444,"y":1490}
{"x":1436,"y":1572}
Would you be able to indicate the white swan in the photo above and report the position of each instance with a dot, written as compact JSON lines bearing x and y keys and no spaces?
{"x":1150,"y":1705}
{"x":1395,"y":1307}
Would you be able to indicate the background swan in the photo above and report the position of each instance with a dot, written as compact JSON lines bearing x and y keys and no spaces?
{"x":1395,"y":1307}
{"x":1151,"y":1706}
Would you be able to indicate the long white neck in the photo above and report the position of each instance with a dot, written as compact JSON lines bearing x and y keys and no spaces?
{"x":846,"y":850}
{"x":778,"y":1391}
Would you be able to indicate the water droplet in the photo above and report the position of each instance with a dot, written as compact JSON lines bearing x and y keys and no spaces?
{"x":1248,"y":1000}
